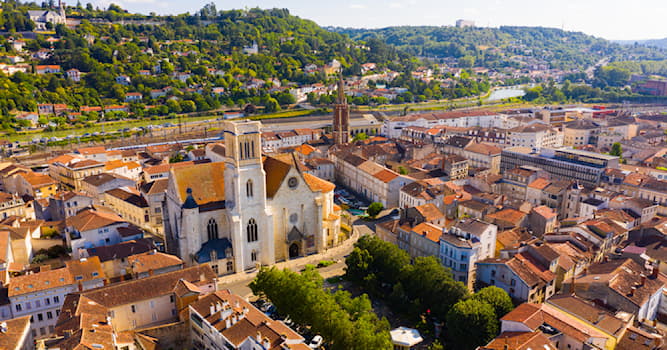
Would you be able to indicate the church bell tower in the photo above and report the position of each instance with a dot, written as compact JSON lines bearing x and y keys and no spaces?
{"x":341,"y":122}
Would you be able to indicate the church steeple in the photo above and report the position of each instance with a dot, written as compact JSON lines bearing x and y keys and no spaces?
{"x":341,"y":91}
{"x":341,"y":122}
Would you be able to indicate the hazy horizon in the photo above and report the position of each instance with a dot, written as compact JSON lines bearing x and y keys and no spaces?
{"x":611,"y":19}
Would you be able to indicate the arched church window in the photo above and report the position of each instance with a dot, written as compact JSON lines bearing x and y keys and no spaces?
{"x":248,"y":188}
{"x":212,"y":230}
{"x":252,"y":230}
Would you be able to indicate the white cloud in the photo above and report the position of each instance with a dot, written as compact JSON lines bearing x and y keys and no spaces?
{"x":395,"y":5}
{"x":357,"y":6}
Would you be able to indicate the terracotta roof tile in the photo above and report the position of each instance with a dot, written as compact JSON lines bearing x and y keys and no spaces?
{"x":18,"y":330}
{"x":152,"y":261}
{"x":206,"y":181}
{"x":318,"y":185}
{"x":385,"y":175}
{"x":91,"y":219}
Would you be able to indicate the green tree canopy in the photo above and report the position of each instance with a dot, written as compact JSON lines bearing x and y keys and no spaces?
{"x":497,"y":298}
{"x":471,"y":323}
{"x":374,"y":209}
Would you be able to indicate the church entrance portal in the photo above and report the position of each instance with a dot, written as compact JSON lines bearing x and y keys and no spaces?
{"x":293,"y":251}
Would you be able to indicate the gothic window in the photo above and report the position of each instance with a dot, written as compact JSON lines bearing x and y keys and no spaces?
{"x":253,"y":256}
{"x":252,"y":148}
{"x":248,"y":188}
{"x":252,"y":230}
{"x":212,"y":230}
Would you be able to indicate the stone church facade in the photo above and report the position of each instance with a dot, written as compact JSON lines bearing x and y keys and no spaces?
{"x":249,"y":209}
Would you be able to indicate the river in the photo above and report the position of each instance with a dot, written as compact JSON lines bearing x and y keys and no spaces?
{"x":503,"y":93}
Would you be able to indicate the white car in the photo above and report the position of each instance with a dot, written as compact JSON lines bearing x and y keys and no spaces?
{"x":316,"y":342}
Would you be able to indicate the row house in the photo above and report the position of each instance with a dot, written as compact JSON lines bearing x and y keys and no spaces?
{"x":63,"y":205}
{"x":96,"y":185}
{"x":70,"y":170}
{"x":421,"y":192}
{"x":535,"y":136}
{"x":223,"y":319}
{"x":369,"y":179}
{"x":130,"y":205}
{"x":98,"y":153}
{"x":567,"y":322}
{"x":41,"y":295}
{"x":466,"y":243}
{"x":529,"y":275}
{"x":393,"y":127}
{"x":112,"y":313}
{"x":94,"y":228}
{"x":621,"y":285}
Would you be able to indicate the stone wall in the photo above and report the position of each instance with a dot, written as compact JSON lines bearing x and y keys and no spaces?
{"x":172,"y":336}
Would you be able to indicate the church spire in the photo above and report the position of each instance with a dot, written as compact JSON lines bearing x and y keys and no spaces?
{"x":341,"y":90}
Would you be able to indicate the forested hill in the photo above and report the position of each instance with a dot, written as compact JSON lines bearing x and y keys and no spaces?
{"x":505,"y":46}
{"x":183,"y":63}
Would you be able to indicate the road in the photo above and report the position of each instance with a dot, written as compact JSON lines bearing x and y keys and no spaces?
{"x":238,"y":283}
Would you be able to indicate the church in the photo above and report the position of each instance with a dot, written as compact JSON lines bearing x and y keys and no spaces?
{"x":246,"y":208}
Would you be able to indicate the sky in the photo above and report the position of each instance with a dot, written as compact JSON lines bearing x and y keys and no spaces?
{"x":609,"y":19}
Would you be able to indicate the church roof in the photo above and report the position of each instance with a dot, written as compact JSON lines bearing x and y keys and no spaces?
{"x":276,"y":169}
{"x":206,"y":180}
{"x":316,"y":184}
{"x":218,"y":245}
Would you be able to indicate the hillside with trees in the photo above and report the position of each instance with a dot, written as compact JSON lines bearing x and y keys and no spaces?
{"x":505,"y":46}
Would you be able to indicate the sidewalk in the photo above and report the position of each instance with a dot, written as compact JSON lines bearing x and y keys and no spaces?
{"x":298,"y":264}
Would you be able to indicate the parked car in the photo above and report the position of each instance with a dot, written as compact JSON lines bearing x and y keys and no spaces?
{"x":316,"y":342}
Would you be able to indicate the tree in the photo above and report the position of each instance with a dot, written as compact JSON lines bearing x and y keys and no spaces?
{"x":360,"y":136}
{"x":471,"y":323}
{"x":616,"y":149}
{"x":374,"y":209}
{"x":497,"y":298}
{"x":271,"y":105}
{"x":345,"y":322}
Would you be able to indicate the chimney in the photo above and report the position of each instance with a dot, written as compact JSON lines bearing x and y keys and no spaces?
{"x":259,"y":336}
{"x":266,"y":343}
{"x":643,"y":277}
{"x":3,"y":327}
{"x":151,"y":272}
{"x":212,"y":309}
{"x":234,"y":319}
{"x":228,"y":323}
{"x":656,"y":270}
{"x":218,"y":306}
{"x":632,"y":291}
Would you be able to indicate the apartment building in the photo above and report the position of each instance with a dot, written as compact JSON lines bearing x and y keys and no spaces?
{"x":563,"y":163}
{"x":41,"y":294}
{"x":70,"y":170}
{"x":223,"y":320}
{"x":467,"y":242}
{"x":369,"y":179}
